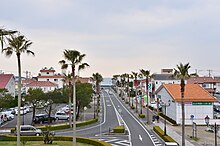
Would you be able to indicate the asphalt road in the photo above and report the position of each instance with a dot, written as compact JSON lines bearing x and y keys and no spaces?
{"x":139,"y":135}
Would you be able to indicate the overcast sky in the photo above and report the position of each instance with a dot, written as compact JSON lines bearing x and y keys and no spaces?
{"x":117,"y":36}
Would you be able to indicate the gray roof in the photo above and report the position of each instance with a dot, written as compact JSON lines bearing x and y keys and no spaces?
{"x":163,"y":77}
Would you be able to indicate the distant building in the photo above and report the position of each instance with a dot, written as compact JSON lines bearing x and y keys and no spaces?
{"x":46,"y":86}
{"x":48,"y":74}
{"x":210,"y":84}
{"x":7,"y":81}
{"x":198,"y":102}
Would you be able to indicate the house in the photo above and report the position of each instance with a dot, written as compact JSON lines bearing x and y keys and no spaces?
{"x":207,"y":83}
{"x":198,"y":102}
{"x":48,"y":74}
{"x":7,"y":81}
{"x":46,"y":86}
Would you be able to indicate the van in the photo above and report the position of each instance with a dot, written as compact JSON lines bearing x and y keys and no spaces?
{"x":29,"y":130}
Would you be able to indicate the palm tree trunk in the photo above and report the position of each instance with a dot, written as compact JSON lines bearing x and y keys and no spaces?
{"x":49,"y":115}
{"x":70,"y":114}
{"x":19,"y":99}
{"x":34,"y":109}
{"x":183,"y":112}
{"x":147,"y":101}
{"x":74,"y":107}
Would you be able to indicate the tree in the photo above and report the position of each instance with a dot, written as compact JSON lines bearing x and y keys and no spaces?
{"x":34,"y":96}
{"x":182,"y":73}
{"x":50,"y":98}
{"x":135,"y":74}
{"x":4,"y":34}
{"x":146,"y":74}
{"x":6,"y":101}
{"x":98,"y":79}
{"x":68,"y":79}
{"x":18,"y":44}
{"x":83,"y":95}
{"x":73,"y":58}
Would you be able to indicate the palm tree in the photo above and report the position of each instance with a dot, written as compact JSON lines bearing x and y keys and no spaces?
{"x":98,"y":79}
{"x":181,"y":72}
{"x":18,"y":44}
{"x":4,"y":34}
{"x":135,"y":74}
{"x":68,"y":78}
{"x":146,"y":73}
{"x":74,"y":58}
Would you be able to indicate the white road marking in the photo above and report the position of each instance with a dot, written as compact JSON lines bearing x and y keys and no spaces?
{"x":140,"y":137}
{"x":135,"y":119}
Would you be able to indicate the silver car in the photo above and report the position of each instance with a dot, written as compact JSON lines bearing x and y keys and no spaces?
{"x":29,"y":130}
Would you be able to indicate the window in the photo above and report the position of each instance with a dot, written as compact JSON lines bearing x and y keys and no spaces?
{"x":55,"y":79}
{"x":48,"y":79}
{"x":48,"y":73}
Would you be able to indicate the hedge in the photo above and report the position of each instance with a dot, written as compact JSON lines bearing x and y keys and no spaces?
{"x":160,"y":132}
{"x":63,"y":126}
{"x":141,"y":115}
{"x":168,"y":118}
{"x":132,"y":107}
{"x":56,"y":138}
{"x":119,"y":129}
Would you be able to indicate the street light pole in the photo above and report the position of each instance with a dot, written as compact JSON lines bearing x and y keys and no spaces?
{"x":165,"y":121}
{"x":23,"y":99}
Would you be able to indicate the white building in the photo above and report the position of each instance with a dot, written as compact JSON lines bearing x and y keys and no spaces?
{"x":48,"y":74}
{"x":7,"y":81}
{"x":198,"y":102}
{"x":46,"y":86}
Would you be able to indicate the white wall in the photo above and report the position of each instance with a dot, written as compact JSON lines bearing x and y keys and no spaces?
{"x":58,"y":81}
{"x":171,"y":110}
{"x":158,"y":83}
{"x":44,"y":89}
{"x":174,"y":111}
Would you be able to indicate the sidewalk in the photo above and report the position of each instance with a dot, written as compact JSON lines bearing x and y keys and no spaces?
{"x":175,"y":131}
{"x":204,"y":138}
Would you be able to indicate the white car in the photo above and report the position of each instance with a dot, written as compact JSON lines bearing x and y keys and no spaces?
{"x":61,"y":115}
{"x":8,"y":116}
{"x":22,"y":111}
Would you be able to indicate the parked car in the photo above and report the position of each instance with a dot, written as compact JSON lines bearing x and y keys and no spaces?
{"x":22,"y":111}
{"x":43,"y":118}
{"x":7,"y":115}
{"x":61,"y":115}
{"x":28,"y":130}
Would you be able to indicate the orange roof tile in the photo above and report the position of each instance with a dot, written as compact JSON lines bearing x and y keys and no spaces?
{"x":41,"y":84}
{"x":193,"y":93}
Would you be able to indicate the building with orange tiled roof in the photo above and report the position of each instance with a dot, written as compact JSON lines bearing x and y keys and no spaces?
{"x":198,"y":102}
{"x":46,"y":86}
{"x":207,"y":83}
{"x":48,"y":74}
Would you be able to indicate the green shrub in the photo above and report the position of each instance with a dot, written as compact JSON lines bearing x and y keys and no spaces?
{"x":160,"y":132}
{"x":132,"y":107}
{"x":63,"y":126}
{"x":141,"y":115}
{"x":56,"y":138}
{"x":151,"y":108}
{"x":119,"y":129}
{"x":168,"y":118}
